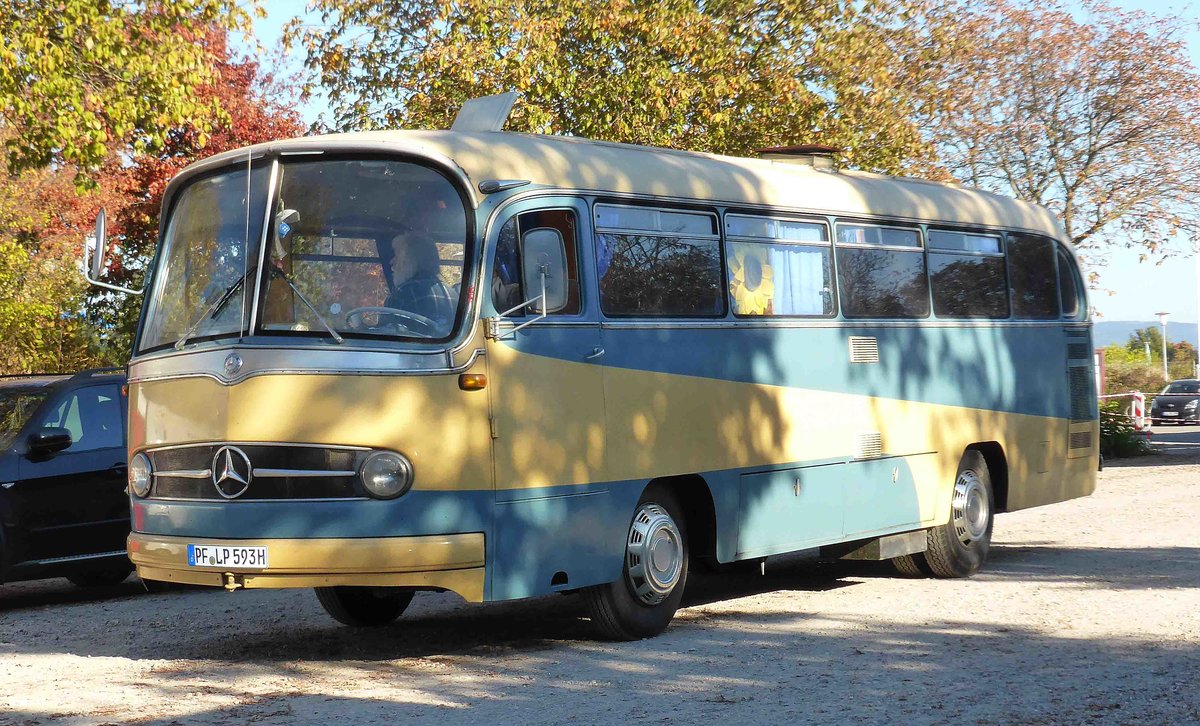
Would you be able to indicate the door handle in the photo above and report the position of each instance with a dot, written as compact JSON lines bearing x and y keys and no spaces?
{"x":596,"y":353}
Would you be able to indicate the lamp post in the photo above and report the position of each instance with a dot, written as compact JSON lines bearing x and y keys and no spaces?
{"x":1162,"y":319}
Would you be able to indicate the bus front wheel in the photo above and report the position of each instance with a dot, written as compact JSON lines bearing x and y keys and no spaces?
{"x":364,"y":606}
{"x":959,"y":547}
{"x":642,"y":603}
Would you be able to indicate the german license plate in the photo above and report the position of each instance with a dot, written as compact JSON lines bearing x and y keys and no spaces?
{"x":248,"y":558}
{"x":1170,"y":413}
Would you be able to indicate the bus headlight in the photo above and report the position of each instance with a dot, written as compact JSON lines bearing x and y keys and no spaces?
{"x":386,"y":474}
{"x":140,"y":475}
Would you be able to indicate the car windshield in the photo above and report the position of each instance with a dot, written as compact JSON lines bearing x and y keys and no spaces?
{"x":365,"y":247}
{"x":16,"y":406}
{"x":1183,"y":387}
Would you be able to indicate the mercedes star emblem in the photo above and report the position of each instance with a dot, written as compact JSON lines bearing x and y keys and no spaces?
{"x":233,"y":364}
{"x":231,"y":472}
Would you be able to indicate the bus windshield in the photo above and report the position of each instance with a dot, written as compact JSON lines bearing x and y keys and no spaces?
{"x":355,"y":247}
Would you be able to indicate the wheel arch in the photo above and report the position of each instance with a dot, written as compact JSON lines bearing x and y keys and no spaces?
{"x":997,"y":464}
{"x":699,"y":511}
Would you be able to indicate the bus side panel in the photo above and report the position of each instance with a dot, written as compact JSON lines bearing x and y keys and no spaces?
{"x":559,"y":538}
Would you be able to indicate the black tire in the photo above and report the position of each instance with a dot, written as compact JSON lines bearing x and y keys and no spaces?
{"x":617,"y":610}
{"x":364,"y":606}
{"x":911,"y":565}
{"x":101,"y":577}
{"x":959,"y":547}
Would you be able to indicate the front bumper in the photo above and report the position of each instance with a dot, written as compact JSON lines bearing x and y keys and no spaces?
{"x":452,"y":562}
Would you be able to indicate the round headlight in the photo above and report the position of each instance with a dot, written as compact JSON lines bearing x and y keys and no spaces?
{"x":386,"y":474}
{"x":140,"y":475}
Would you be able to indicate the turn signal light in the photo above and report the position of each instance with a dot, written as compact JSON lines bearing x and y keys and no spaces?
{"x":472,"y":381}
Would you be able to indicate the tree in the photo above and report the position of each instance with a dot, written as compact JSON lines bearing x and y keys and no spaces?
{"x":77,"y":76}
{"x":255,"y":109}
{"x":725,"y":77}
{"x":49,"y":319}
{"x":1096,"y":117}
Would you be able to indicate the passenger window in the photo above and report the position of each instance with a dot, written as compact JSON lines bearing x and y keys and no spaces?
{"x":658,"y":263}
{"x":1032,"y":276}
{"x":881,"y":272}
{"x":1068,"y":290}
{"x":92,"y":416}
{"x":507,"y":291}
{"x":778,"y":267}
{"x":966,"y":273}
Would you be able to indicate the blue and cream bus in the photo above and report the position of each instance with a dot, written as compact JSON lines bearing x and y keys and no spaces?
{"x":507,"y":365}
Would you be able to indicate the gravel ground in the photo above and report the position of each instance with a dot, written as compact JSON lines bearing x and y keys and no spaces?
{"x":1088,"y":613}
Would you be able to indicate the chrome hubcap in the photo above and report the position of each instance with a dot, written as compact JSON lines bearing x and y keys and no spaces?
{"x":970,"y":507}
{"x":653,"y":554}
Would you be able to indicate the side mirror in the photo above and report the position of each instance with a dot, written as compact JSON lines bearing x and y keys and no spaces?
{"x":48,"y":441}
{"x":544,"y":267}
{"x":101,"y":237}
{"x":92,"y":272}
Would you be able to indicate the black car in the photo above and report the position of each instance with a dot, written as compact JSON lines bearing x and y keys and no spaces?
{"x":63,"y":507}
{"x":1178,"y":403}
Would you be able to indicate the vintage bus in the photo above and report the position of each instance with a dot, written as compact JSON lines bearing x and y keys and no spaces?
{"x":507,"y":365}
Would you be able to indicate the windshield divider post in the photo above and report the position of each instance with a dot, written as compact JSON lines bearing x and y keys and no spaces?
{"x":262,"y":246}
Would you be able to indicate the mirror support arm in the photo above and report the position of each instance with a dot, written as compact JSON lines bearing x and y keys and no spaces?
{"x":87,"y":273}
{"x":493,"y":324}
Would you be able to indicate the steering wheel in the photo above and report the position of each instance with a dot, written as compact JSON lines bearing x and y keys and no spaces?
{"x":424,"y":326}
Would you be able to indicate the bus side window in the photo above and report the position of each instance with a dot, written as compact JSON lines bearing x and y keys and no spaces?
{"x":1031,"y":274}
{"x":779,"y":267}
{"x":881,"y":272}
{"x":1067,"y":287}
{"x":507,"y":291}
{"x":658,"y":262}
{"x":966,"y":274}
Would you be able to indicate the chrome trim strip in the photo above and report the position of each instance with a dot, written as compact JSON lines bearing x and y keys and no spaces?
{"x":185,"y":473}
{"x":239,"y":500}
{"x":300,"y":473}
{"x":809,"y":323}
{"x":261,"y":360}
{"x":219,"y":444}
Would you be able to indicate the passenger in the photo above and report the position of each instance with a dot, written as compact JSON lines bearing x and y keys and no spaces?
{"x":418,"y":288}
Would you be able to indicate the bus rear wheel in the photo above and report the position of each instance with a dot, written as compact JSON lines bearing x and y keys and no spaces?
{"x":959,"y":547}
{"x":364,"y":606}
{"x":642,"y":603}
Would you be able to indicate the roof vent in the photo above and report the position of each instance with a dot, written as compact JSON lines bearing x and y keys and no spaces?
{"x":817,"y":156}
{"x":485,"y":114}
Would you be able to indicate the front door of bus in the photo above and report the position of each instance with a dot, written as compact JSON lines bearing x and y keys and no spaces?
{"x":546,"y":394}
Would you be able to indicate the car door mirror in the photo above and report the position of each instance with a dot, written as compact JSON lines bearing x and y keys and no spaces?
{"x":544,"y":267}
{"x":48,"y":441}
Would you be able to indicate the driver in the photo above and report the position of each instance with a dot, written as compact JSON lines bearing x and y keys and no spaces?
{"x":418,"y":288}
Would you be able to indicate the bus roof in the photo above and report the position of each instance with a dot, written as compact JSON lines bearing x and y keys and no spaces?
{"x":582,"y":164}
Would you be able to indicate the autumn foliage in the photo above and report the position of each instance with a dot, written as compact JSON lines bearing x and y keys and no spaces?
{"x":48,"y":318}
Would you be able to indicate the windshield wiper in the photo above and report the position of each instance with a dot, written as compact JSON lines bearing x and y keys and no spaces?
{"x":276,"y":272}
{"x":211,"y":310}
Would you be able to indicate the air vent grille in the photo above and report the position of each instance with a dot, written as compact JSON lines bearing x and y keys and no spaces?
{"x":864,"y":349}
{"x":1078,"y":351}
{"x":1081,"y":440}
{"x":1081,"y":393}
{"x":868,"y":446}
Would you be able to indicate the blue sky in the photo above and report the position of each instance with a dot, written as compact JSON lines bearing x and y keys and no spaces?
{"x":1131,"y":289}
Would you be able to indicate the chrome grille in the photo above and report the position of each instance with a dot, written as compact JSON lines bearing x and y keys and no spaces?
{"x":280,"y":471}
